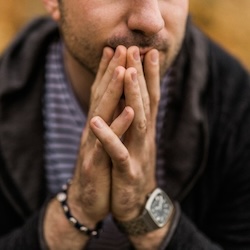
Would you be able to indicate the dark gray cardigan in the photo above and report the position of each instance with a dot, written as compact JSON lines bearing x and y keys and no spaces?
{"x":206,"y":142}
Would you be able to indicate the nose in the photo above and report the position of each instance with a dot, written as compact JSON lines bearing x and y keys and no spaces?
{"x":144,"y":16}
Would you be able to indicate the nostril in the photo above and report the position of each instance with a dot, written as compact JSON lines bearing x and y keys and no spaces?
{"x":139,"y":32}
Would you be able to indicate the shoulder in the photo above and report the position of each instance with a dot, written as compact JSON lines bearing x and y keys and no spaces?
{"x":25,"y":56}
{"x":225,"y":66}
{"x":228,"y":84}
{"x":228,"y":110}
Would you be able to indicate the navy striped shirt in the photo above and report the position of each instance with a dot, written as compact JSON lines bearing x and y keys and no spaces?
{"x":64,"y":122}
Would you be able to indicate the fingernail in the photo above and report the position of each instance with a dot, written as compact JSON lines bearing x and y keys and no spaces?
{"x":154,"y":56}
{"x":97,"y":122}
{"x":127,"y":110}
{"x":134,"y":76}
{"x":136,"y":55}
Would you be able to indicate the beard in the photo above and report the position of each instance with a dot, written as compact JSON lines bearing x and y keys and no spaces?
{"x":140,"y":40}
{"x":87,"y":53}
{"x":88,"y":56}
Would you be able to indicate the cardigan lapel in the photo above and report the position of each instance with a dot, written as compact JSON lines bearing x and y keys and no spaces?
{"x":185,"y":135}
{"x":21,"y":121}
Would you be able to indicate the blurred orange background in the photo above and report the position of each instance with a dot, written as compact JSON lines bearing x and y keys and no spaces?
{"x":226,"y":21}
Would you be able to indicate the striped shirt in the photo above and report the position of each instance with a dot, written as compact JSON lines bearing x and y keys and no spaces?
{"x":64,"y":122}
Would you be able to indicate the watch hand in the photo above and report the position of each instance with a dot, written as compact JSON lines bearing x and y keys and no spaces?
{"x":160,"y":203}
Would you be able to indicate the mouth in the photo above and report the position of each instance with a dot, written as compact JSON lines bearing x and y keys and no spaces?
{"x":143,"y":52}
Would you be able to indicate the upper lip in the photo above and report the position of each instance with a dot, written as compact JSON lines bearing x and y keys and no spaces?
{"x":143,"y":51}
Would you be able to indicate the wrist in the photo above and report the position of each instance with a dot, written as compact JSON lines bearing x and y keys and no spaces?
{"x":155,"y":239}
{"x":150,"y":241}
{"x":158,"y":239}
{"x":156,"y":214}
{"x":58,"y":232}
{"x":76,"y":217}
{"x":80,"y":207}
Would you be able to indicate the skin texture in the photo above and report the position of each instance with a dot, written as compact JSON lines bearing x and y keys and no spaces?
{"x":115,"y":54}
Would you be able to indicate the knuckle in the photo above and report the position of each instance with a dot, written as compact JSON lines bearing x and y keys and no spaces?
{"x":135,"y":94}
{"x":141,"y":126}
{"x":123,"y":159}
{"x":86,"y":168}
{"x":155,"y":99}
{"x":95,"y":95}
{"x":110,"y":92}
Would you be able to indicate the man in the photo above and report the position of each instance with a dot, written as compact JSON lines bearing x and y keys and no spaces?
{"x":163,"y":160}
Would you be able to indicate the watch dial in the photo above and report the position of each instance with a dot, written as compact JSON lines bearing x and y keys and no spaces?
{"x":160,"y":209}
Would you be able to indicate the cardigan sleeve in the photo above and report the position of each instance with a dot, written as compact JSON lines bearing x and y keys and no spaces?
{"x":226,"y":222}
{"x":28,"y":236}
{"x":188,"y":237}
{"x":23,"y":238}
{"x":223,"y":193}
{"x":227,"y":225}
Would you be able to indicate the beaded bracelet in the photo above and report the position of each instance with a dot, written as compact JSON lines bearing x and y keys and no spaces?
{"x":62,"y":198}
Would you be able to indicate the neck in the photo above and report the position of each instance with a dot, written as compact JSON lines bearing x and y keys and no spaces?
{"x":80,"y":78}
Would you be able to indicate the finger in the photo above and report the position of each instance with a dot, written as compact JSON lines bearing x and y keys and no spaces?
{"x":134,"y":60}
{"x":107,"y":55}
{"x":111,"y":96}
{"x":121,"y":124}
{"x":110,"y":142}
{"x":152,"y":76}
{"x":107,"y":71}
{"x":134,"y":100}
{"x":120,"y":107}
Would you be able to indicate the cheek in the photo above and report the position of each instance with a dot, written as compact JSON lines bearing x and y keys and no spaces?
{"x":174,"y":13}
{"x":175,"y":16}
{"x":97,"y":15}
{"x":81,"y":15}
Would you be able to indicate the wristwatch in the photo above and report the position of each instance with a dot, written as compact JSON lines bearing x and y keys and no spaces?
{"x":157,"y":212}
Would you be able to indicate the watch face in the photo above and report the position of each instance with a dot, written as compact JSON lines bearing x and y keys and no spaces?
{"x":160,"y":209}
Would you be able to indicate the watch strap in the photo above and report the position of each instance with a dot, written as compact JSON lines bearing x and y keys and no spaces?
{"x":138,"y":226}
{"x":144,"y":223}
